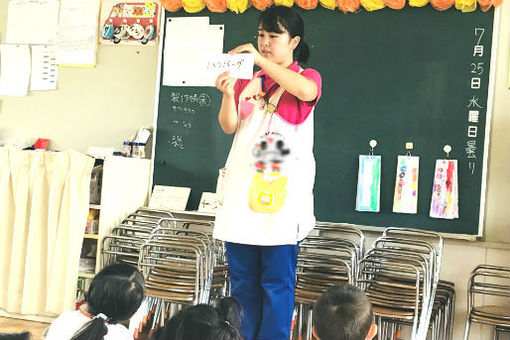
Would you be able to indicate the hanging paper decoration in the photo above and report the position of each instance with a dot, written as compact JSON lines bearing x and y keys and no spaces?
{"x":418,"y":3}
{"x":287,"y":3}
{"x":238,"y":6}
{"x":307,"y":4}
{"x":372,"y":5}
{"x":485,"y":5}
{"x":329,"y":4}
{"x":261,"y":5}
{"x":369,"y":183}
{"x":406,"y":185}
{"x":445,"y":191}
{"x":172,"y":5}
{"x":193,"y":6}
{"x":347,"y":6}
{"x":465,"y":5}
{"x":216,"y":6}
{"x":395,"y":4}
{"x":442,"y":5}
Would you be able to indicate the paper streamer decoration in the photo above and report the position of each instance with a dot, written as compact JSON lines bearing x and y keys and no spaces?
{"x":369,"y":183}
{"x":445,"y":191}
{"x":406,"y":185}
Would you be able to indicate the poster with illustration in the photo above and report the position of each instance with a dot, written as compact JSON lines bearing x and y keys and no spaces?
{"x":369,"y":183}
{"x":445,"y":190}
{"x":129,"y":22}
{"x":406,"y":185}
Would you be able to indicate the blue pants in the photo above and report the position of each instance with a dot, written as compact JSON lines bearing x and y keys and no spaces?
{"x":263,"y":279}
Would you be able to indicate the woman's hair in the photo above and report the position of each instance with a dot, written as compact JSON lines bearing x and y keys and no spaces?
{"x":15,"y":336}
{"x":276,"y":18}
{"x":114,"y":295}
{"x":204,"y":322}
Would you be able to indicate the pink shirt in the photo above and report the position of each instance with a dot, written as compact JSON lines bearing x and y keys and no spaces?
{"x":290,"y":108}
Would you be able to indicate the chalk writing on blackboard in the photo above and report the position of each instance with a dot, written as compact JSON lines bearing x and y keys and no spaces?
{"x":181,"y":123}
{"x":474,"y":109}
{"x":201,"y":99}
{"x":183,"y":109}
{"x":176,"y":142}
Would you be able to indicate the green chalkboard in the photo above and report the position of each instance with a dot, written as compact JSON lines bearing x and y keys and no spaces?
{"x":392,"y":76}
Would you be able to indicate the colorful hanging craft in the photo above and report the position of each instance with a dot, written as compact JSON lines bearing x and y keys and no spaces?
{"x":238,"y":6}
{"x":369,"y":183}
{"x":445,"y":190}
{"x":216,"y":6}
{"x":406,"y":185}
{"x":418,"y":3}
{"x":261,"y":5}
{"x":442,"y":5}
{"x":307,"y":4}
{"x":465,"y":5}
{"x":348,"y":6}
{"x":287,"y":3}
{"x":372,"y":5}
{"x":485,"y":5}
{"x":172,"y":5}
{"x":329,"y":4}
{"x":395,"y":4}
{"x":193,"y":6}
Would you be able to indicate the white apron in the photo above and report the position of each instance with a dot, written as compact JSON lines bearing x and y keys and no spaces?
{"x":270,"y":170}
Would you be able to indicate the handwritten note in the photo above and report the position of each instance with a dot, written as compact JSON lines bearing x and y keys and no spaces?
{"x":169,"y":197}
{"x":238,"y":65}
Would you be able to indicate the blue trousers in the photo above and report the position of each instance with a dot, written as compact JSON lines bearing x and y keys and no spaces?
{"x":263,"y":279}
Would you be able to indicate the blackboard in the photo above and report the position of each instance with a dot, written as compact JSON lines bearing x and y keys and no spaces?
{"x":393,"y":76}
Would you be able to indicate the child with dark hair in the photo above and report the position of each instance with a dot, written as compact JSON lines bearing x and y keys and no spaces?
{"x":343,"y":313}
{"x":204,"y":322}
{"x":114,"y":295}
{"x":15,"y":336}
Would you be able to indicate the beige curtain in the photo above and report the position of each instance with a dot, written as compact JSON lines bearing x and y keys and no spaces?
{"x":43,"y":212}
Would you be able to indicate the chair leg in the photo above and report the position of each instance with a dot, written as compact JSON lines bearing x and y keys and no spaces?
{"x":468,"y":324}
{"x":496,"y":333}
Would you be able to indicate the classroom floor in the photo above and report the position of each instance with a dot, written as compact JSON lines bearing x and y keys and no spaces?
{"x":9,"y":325}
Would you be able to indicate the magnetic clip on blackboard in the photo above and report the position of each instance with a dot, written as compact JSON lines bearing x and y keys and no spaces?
{"x":409,"y":147}
{"x":373,"y":144}
{"x":447,"y":148}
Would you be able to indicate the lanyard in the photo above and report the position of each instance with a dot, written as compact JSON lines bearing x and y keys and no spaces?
{"x":266,"y":94}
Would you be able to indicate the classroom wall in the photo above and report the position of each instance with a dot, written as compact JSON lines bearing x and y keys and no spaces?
{"x":102,"y":106}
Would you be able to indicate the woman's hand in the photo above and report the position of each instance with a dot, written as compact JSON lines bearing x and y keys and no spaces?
{"x":247,"y":48}
{"x":225,"y":84}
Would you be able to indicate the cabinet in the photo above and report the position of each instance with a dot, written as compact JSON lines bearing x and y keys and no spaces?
{"x":124,"y":188}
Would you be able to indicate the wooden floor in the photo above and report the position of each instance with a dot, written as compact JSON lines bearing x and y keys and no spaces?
{"x":8,"y":325}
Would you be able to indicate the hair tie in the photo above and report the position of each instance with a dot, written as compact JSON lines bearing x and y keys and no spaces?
{"x":228,"y":323}
{"x":102,"y":316}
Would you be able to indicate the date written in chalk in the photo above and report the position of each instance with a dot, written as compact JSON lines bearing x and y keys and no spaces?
{"x":239,"y":66}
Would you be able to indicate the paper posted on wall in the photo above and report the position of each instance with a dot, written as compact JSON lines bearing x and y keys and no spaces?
{"x":169,"y":197}
{"x":445,"y":190}
{"x":369,"y":183}
{"x":406,"y":185}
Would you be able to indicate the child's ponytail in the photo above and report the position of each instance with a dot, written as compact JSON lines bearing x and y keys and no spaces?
{"x":95,"y":329}
{"x":302,"y":52}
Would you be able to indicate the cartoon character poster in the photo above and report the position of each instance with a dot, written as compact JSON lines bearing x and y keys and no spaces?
{"x":406,"y":185}
{"x":130,"y":22}
{"x":369,"y":183}
{"x":445,"y":190}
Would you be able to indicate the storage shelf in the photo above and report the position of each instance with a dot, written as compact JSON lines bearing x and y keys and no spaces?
{"x":93,"y":236}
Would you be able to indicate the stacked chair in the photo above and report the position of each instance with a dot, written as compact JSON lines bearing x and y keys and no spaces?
{"x":488,"y":281}
{"x":178,"y":257}
{"x":400,"y":275}
{"x":326,"y":258}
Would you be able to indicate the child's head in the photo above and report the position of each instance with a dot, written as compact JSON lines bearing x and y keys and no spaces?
{"x":343,"y":313}
{"x":114,"y":295}
{"x":280,"y":32}
{"x":15,"y":336}
{"x":116,"y":291}
{"x":204,"y":322}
